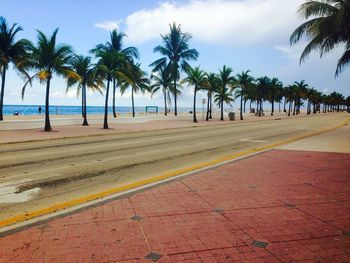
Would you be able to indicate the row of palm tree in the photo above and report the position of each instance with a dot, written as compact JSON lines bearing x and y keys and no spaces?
{"x":226,"y":87}
{"x":116,"y":66}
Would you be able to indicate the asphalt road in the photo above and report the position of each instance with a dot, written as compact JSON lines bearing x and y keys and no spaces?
{"x":38,"y":174}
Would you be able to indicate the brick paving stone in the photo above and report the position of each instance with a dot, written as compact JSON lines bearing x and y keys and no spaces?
{"x":297,"y":202}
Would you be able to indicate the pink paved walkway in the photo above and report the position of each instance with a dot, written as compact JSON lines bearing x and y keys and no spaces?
{"x":279,"y":206}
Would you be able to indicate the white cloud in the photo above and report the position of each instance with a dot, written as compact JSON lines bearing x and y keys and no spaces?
{"x":108,"y":25}
{"x":217,"y":21}
{"x":60,"y":94}
{"x":286,"y":50}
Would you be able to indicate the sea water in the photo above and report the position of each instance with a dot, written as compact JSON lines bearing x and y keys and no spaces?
{"x":76,"y":110}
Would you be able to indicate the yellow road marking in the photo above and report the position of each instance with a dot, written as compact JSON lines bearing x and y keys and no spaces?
{"x":81,"y":200}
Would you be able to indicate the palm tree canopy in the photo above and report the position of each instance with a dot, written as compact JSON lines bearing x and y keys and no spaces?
{"x":213,"y":83}
{"x":110,"y":63}
{"x":226,"y":82}
{"x":328,"y":26}
{"x":86,"y":74}
{"x":225,"y":95}
{"x":12,"y":50}
{"x":116,"y":45}
{"x":162,"y":80}
{"x":196,"y":77}
{"x":133,"y":76}
{"x":243,"y":81}
{"x":49,"y":58}
{"x":226,"y":77}
{"x":272,"y":89}
{"x":175,"y":49}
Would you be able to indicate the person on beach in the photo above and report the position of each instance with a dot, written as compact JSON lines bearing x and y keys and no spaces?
{"x":57,"y":111}
{"x":40,"y":109}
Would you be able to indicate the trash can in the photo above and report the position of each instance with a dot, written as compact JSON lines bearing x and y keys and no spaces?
{"x":231,"y":116}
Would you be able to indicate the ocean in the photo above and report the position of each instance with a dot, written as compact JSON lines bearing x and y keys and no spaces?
{"x":76,"y":110}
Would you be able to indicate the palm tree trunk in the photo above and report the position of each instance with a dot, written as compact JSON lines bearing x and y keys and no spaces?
{"x":290,"y":108}
{"x":294,"y":107}
{"x":3,"y":76}
{"x":273,"y":106}
{"x":132,"y":102}
{"x":175,"y":91}
{"x":245,"y":102}
{"x":284,"y":106}
{"x":222,"y":110}
{"x":208,"y":107}
{"x":241,"y":110}
{"x":105,"y":123}
{"x":82,"y":103}
{"x":279,"y":107}
{"x":194,"y":105}
{"x":250,"y":106}
{"x":165,"y":105}
{"x":47,"y":102}
{"x":85,"y":122}
{"x":211,"y":107}
{"x":114,"y":113}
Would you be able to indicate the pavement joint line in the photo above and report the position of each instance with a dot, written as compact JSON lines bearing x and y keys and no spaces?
{"x":36,"y":216}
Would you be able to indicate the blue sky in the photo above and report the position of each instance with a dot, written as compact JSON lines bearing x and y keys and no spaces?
{"x":243,"y":34}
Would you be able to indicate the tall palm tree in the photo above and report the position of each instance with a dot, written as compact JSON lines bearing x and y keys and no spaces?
{"x":49,"y":58}
{"x":274,"y":86}
{"x":198,"y":79}
{"x":109,"y":66}
{"x":243,"y":81}
{"x":279,"y":96}
{"x":11,"y":51}
{"x":86,"y":77}
{"x":225,"y":87}
{"x":290,"y":91}
{"x":212,"y":87}
{"x":176,"y":54}
{"x":133,"y":76}
{"x":263,"y":84}
{"x":327,"y":27}
{"x":301,"y":90}
{"x":116,"y":45}
{"x":162,"y":81}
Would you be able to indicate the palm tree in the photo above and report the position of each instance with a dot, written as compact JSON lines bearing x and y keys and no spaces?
{"x":225,"y":87}
{"x":49,"y":58}
{"x":162,"y":81}
{"x":176,"y":54}
{"x":301,"y":90}
{"x":132,"y":76}
{"x":279,"y":96}
{"x":116,"y":45}
{"x":328,"y":27}
{"x":290,"y":96}
{"x":212,"y":87}
{"x":263,"y":84}
{"x":86,"y":77}
{"x":198,"y":79}
{"x":11,"y":51}
{"x":243,"y":81}
{"x":274,"y":86}
{"x":108,"y":66}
